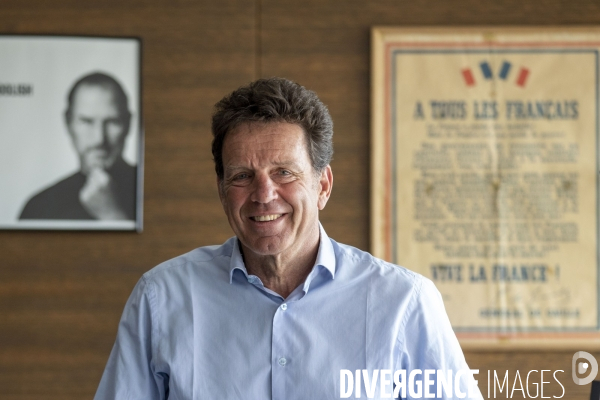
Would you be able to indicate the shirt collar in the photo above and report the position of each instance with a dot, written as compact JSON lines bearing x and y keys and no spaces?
{"x":237,"y":261}
{"x":326,"y":255}
{"x":325,"y":258}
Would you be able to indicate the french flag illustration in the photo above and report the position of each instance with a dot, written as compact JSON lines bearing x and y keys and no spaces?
{"x":488,"y":74}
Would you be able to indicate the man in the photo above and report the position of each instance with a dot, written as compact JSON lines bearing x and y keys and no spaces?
{"x":97,"y":120}
{"x":279,"y":310}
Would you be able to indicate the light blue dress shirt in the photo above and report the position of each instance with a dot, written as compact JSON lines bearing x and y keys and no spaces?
{"x":200,"y":327}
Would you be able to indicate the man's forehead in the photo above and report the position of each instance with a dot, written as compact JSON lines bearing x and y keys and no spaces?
{"x":87,"y":94}
{"x":275,"y":144}
{"x":273,"y":136}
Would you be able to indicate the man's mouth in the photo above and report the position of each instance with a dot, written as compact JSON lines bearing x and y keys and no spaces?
{"x":102,"y":149}
{"x":264,"y":218}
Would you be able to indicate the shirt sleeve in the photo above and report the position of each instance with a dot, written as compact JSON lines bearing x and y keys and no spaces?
{"x":129,"y":373}
{"x":430,"y":344}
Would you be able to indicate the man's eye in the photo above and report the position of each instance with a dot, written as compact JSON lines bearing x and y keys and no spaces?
{"x":114,"y":122}
{"x":85,"y":121}
{"x":285,"y":172}
{"x":240,"y":177}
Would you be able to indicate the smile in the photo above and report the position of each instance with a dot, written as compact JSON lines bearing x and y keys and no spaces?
{"x":263,"y":218}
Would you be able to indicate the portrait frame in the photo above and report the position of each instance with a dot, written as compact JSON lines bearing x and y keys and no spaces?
{"x":46,"y":184}
{"x":460,"y":116}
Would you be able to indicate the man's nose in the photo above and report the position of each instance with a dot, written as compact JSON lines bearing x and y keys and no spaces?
{"x":98,"y":134}
{"x":264,"y":189}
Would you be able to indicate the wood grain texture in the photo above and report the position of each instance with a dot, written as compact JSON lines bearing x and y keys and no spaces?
{"x":62,"y":293}
{"x":325,"y":46}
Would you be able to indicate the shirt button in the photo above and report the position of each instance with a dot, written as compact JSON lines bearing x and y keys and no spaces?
{"x":284,"y":306}
{"x":282,"y":361}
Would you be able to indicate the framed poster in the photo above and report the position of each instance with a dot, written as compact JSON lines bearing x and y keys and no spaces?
{"x":485,"y":176}
{"x":71,"y":133}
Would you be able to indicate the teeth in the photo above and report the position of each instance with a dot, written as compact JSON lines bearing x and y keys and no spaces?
{"x":263,"y":218}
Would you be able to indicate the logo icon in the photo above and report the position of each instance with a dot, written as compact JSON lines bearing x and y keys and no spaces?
{"x":582,"y":367}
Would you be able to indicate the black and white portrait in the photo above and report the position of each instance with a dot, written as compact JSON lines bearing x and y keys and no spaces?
{"x":71,"y":153}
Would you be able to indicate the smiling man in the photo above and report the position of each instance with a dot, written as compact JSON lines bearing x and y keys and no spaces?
{"x":272,"y":197}
{"x":280,"y":310}
{"x":98,"y":121}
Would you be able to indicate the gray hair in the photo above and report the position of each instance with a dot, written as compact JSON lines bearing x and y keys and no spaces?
{"x":275,"y":100}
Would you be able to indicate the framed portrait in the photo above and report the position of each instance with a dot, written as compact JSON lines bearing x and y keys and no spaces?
{"x":71,"y":133}
{"x":485,"y":176}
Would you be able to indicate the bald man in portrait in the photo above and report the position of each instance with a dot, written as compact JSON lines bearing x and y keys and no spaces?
{"x":104,"y":187}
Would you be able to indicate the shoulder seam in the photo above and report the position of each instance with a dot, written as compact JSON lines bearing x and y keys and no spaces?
{"x":416,"y":294}
{"x":163,"y":266}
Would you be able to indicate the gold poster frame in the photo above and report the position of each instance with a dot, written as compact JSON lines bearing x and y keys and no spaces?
{"x":442,"y":97}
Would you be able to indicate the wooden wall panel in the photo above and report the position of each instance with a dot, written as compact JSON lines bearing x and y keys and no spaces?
{"x":325,"y":46}
{"x":62,"y":293}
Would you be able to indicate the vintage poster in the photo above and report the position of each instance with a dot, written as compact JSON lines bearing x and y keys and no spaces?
{"x":485,"y":176}
{"x":70,"y":133}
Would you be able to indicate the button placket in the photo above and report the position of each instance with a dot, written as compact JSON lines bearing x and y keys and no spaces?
{"x":280,"y":350}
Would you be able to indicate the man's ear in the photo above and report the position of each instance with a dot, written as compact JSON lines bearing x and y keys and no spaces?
{"x":325,"y":186}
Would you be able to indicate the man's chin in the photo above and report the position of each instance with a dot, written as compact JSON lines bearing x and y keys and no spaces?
{"x":266,"y":246}
{"x":104,"y":164}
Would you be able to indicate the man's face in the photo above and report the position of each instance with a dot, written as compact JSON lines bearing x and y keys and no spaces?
{"x":270,"y":191}
{"x":97,"y":127}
